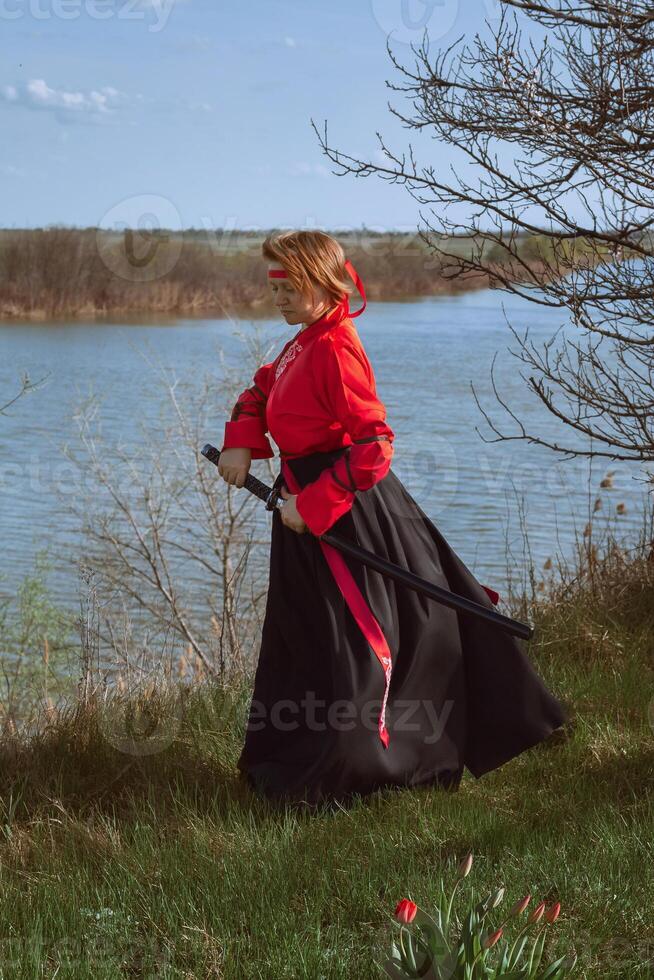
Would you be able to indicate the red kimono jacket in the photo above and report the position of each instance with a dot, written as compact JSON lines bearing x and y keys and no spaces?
{"x":318,"y":395}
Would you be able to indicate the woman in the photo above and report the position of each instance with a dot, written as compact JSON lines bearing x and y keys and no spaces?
{"x":361,"y":683}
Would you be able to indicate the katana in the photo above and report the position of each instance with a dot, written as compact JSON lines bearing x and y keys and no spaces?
{"x":273,"y":499}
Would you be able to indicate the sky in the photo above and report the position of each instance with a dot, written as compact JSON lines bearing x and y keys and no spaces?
{"x":197,"y":113}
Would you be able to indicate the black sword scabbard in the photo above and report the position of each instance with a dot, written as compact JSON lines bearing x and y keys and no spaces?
{"x":273,"y":499}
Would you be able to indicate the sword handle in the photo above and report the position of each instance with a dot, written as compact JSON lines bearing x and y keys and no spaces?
{"x":271,"y":498}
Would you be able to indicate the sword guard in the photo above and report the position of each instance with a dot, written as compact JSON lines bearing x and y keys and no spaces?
{"x":275,"y":499}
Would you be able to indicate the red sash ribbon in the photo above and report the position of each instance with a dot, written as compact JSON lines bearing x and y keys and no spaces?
{"x":358,"y":607}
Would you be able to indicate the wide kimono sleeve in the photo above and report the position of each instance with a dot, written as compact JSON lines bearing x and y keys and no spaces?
{"x":246,"y":428}
{"x":348,"y":385}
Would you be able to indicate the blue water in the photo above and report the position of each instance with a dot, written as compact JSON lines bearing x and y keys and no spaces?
{"x":483,"y":495}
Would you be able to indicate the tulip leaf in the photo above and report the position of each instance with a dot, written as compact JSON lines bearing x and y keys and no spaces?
{"x":469,"y":927}
{"x":552,"y":970}
{"x":408,"y":955}
{"x":395,"y":972}
{"x":395,"y":950}
{"x":505,"y":962}
{"x":540,"y":950}
{"x":423,"y":918}
{"x":448,"y":969}
{"x":517,"y":949}
{"x":437,"y":940}
{"x":537,"y":953}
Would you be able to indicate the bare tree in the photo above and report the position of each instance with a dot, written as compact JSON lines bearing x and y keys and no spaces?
{"x":25,"y":385}
{"x":165,"y":536}
{"x":555,"y":194}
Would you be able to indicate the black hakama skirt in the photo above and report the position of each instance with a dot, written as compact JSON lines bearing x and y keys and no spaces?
{"x":330,"y":717}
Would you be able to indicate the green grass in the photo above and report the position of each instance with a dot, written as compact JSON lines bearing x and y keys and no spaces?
{"x":166,"y":865}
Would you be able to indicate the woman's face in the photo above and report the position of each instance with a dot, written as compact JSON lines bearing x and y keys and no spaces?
{"x":295,"y":307}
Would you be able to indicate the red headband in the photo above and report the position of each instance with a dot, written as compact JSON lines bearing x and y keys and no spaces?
{"x":356,"y":278}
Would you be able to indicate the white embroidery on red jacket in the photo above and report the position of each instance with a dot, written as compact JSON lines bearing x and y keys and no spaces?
{"x":294,"y":349}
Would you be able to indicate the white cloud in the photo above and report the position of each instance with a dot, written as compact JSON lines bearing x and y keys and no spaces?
{"x":193,"y":105}
{"x":290,"y":42}
{"x":99,"y":105}
{"x":300,"y":168}
{"x":67,"y":105}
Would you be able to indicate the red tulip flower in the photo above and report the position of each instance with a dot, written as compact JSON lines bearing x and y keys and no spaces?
{"x":552,"y":914}
{"x":464,"y":867}
{"x":537,"y":913}
{"x":405,"y":911}
{"x":520,"y":906}
{"x":491,"y":939}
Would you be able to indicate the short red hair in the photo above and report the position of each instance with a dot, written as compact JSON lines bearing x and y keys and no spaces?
{"x":310,"y":258}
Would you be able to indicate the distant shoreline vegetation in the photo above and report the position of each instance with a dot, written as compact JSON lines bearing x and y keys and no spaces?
{"x":60,"y":271}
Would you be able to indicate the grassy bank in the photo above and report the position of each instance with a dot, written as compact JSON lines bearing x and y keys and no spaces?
{"x":70,"y":272}
{"x":119,"y":863}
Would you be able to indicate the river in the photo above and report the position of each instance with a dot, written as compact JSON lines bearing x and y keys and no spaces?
{"x":425,"y":355}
